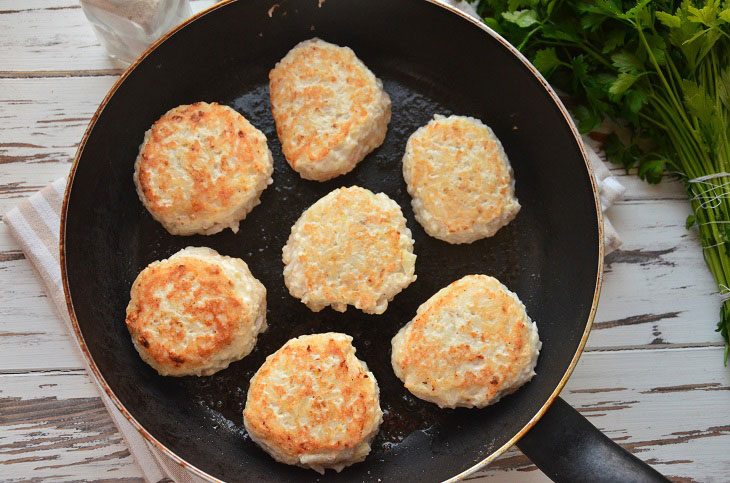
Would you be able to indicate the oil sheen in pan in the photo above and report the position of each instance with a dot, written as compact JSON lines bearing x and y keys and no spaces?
{"x":506,"y":256}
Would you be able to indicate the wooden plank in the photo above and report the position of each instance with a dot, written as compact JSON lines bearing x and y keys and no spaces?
{"x":643,"y":404}
{"x":32,"y":338}
{"x":636,"y":189}
{"x":662,"y":406}
{"x":53,"y":75}
{"x":49,"y":36}
{"x":8,"y":246}
{"x":53,"y":38}
{"x":41,"y":35}
{"x":43,"y":121}
{"x":657,"y":289}
{"x":53,"y":427}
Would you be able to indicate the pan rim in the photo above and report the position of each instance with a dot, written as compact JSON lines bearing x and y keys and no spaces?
{"x":197,"y":471}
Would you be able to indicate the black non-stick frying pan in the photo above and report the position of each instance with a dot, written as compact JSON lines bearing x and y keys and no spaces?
{"x":431,"y":60}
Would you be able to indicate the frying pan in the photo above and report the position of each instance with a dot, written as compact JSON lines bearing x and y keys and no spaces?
{"x":432,"y":60}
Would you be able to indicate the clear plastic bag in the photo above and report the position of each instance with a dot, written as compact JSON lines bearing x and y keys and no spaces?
{"x":127,"y":27}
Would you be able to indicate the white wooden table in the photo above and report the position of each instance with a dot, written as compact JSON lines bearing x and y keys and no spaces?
{"x":651,"y":377}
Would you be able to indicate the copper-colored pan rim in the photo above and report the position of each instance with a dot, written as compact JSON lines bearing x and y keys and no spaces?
{"x":171,"y":454}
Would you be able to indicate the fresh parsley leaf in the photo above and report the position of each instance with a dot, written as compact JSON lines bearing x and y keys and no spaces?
{"x":546,"y":61}
{"x":626,"y":62}
{"x":587,"y":119}
{"x":614,"y":40}
{"x":698,"y":101}
{"x":563,"y":31}
{"x":622,"y":83}
{"x":725,"y":15}
{"x":580,"y":68}
{"x":706,"y":15}
{"x":636,"y":99}
{"x":493,"y":24}
{"x":592,"y":21}
{"x":523,"y":18}
{"x":617,"y":152}
{"x":652,"y":170}
{"x":636,"y":9}
{"x":671,"y":21}
{"x":661,"y":68}
{"x":658,"y":48}
{"x":608,"y":8}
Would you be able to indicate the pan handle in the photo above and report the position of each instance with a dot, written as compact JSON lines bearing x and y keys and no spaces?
{"x":568,"y":448}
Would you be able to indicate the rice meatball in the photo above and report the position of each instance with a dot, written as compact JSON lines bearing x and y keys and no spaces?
{"x":195,"y":312}
{"x":330,"y":110}
{"x":314,"y":404}
{"x":459,"y":179}
{"x":469,"y":345}
{"x":352,"y":247}
{"x":201,"y":169}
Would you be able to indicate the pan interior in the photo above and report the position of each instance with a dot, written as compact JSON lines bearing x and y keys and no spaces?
{"x":431,"y":62}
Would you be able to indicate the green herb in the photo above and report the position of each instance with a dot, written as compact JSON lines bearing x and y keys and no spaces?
{"x":663,"y":68}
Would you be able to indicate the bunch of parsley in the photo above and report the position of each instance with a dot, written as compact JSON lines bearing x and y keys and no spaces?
{"x":661,"y":67}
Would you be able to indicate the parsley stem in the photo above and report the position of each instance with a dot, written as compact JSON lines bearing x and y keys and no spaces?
{"x":663,"y":67}
{"x":650,"y":119}
{"x":585,"y":49}
{"x":672,"y":94}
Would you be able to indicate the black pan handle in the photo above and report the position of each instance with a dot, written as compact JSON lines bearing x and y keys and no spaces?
{"x":568,"y":448}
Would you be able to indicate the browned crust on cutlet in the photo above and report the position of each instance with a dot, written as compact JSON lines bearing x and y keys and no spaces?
{"x":295,"y":380}
{"x":453,"y":205}
{"x":322,"y":96}
{"x":199,"y":291}
{"x":174,"y":164}
{"x":488,"y":349}
{"x":350,"y":247}
{"x":460,"y":179}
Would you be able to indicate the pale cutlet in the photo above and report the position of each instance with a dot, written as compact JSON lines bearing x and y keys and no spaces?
{"x":330,"y":110}
{"x":201,"y":168}
{"x":460,"y":179}
{"x":352,"y":247}
{"x":469,"y":345}
{"x":314,"y":404}
{"x":195,"y":312}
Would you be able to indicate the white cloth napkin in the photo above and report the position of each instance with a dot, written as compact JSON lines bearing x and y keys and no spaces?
{"x":610,"y":190}
{"x":35,"y":223}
